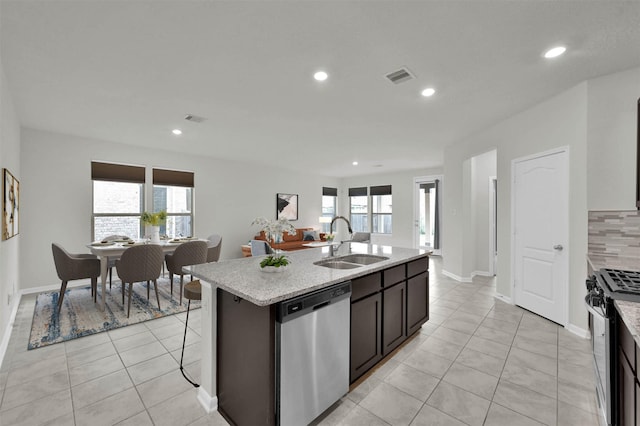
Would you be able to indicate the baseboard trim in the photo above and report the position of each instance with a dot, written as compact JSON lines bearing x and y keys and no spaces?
{"x":56,"y":287}
{"x":580,"y":332}
{"x":4,"y":345}
{"x":481,"y":274}
{"x":503,"y":298}
{"x":456,"y":277}
{"x":210,"y":403}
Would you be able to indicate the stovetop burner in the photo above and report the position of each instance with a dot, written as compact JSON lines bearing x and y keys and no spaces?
{"x":621,"y":281}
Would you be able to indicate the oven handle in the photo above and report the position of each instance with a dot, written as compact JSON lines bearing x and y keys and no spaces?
{"x":591,"y":309}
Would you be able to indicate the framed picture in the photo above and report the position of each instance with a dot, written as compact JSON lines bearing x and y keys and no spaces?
{"x":287,"y":206}
{"x":10,"y":205}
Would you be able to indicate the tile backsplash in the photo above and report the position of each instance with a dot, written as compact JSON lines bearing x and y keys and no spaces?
{"x":614,"y":233}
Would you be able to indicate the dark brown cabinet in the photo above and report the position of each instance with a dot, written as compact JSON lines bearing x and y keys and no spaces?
{"x":628,"y":391}
{"x":386,"y":308}
{"x":627,"y":388}
{"x":246,"y":360}
{"x":394,"y":307}
{"x":366,"y":334}
{"x":417,"y":302}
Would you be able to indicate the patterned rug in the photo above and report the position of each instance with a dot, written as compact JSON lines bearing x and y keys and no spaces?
{"x":81,"y":317}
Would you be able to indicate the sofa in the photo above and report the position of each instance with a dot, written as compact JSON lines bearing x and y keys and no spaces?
{"x":294,"y":242}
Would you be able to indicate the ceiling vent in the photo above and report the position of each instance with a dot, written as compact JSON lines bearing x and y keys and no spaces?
{"x":396,"y":77}
{"x":194,"y":118}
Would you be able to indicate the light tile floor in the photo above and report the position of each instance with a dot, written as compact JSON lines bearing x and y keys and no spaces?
{"x":477,"y":361}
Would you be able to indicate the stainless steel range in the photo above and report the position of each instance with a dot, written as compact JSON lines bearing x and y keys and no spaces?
{"x":603,"y":288}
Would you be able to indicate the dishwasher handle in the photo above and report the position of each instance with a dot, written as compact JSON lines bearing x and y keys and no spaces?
{"x":307,"y":303}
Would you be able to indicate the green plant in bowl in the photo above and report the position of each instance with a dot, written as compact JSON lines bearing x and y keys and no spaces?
{"x":154,"y":219}
{"x":275,"y":261}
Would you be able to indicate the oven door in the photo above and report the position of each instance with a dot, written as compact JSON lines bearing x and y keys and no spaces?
{"x":602,"y":359}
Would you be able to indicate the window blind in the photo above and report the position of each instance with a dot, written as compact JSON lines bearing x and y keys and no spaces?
{"x":380,"y":190}
{"x":173,"y":178}
{"x":358,"y":192}
{"x":117,"y":172}
{"x":333,"y":192}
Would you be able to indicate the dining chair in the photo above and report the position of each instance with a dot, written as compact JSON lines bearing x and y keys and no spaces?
{"x":75,"y":267}
{"x":214,"y":246}
{"x":260,"y":247}
{"x":361,"y":237}
{"x":112,"y":261}
{"x":138,"y":264}
{"x":191,"y":253}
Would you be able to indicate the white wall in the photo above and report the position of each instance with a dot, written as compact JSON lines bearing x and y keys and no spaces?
{"x":9,"y":249}
{"x":611,"y":139}
{"x":484,"y":166}
{"x":559,"y":121}
{"x":403,"y":189}
{"x":57,"y":195}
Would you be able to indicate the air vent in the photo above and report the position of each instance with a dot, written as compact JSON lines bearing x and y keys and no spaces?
{"x":396,"y":77}
{"x":194,"y":118}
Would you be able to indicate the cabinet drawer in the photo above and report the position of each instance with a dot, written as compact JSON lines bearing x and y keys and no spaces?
{"x":394,"y":275}
{"x":364,"y":286}
{"x":417,"y":266}
{"x":627,"y":344}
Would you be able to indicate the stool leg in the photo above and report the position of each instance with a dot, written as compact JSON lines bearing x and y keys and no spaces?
{"x":184,"y":340}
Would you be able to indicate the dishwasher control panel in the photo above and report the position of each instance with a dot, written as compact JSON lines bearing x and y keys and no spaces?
{"x":297,"y":306}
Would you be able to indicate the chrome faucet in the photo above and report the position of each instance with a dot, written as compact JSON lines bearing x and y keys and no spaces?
{"x":332,"y":248}
{"x":343,"y":218}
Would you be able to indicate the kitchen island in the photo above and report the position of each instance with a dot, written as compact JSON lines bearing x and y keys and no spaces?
{"x":389,"y":302}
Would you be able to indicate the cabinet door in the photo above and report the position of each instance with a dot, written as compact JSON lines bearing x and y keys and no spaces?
{"x":394,"y":326}
{"x":626,"y":387}
{"x":366,"y":332}
{"x":417,"y":302}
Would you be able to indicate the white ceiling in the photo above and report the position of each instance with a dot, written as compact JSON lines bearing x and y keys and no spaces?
{"x":129,"y":71}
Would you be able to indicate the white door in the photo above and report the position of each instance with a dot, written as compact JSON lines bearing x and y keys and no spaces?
{"x":541,"y":211}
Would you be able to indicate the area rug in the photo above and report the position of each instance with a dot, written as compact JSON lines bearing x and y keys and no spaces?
{"x":80,"y":317}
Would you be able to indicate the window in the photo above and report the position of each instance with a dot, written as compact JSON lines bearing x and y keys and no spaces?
{"x":173,"y":192}
{"x":381,"y":209}
{"x":118,"y":200}
{"x":329,"y":205}
{"x":359,"y":209}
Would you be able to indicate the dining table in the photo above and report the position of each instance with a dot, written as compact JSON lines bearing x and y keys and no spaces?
{"x":106,"y":250}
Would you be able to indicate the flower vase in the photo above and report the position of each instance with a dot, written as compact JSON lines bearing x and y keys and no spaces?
{"x":153,"y":233}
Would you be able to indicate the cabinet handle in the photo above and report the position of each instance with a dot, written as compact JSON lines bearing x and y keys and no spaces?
{"x":558,"y":247}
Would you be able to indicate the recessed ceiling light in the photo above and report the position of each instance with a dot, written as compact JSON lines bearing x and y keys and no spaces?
{"x":355,"y":163}
{"x":321,"y":76}
{"x":429,"y":91}
{"x":555,"y":52}
{"x":176,"y":132}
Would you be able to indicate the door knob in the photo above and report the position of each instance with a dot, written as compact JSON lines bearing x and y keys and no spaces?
{"x":558,"y":247}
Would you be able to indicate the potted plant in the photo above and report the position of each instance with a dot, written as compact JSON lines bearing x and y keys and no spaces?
{"x":153,"y":222}
{"x":274,"y":263}
{"x":273,"y":230}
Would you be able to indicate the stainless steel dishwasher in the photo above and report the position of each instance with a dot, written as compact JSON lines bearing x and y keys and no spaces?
{"x":312,"y":359}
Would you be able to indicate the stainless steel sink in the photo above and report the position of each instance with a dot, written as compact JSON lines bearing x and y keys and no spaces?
{"x":363,"y":259}
{"x":350,"y":261}
{"x":336,"y":264}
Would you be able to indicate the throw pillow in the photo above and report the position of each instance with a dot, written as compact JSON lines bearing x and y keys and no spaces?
{"x":309,"y":236}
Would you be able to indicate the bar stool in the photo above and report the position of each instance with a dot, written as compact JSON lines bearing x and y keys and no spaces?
{"x":192,"y":291}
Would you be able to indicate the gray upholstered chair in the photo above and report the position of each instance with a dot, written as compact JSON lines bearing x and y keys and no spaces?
{"x":214,"y":246}
{"x":260,"y":247}
{"x":138,"y":264}
{"x":112,"y":261}
{"x":361,"y":237}
{"x":75,"y":267}
{"x":191,"y":253}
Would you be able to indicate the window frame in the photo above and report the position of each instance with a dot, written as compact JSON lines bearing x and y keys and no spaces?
{"x":116,"y":173}
{"x":174,"y":179}
{"x":359,"y":192}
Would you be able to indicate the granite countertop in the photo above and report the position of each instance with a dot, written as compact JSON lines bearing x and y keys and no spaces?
{"x":629,"y":311}
{"x":244,"y":278}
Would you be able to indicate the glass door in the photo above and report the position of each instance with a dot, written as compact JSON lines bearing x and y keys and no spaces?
{"x":427,"y":213}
